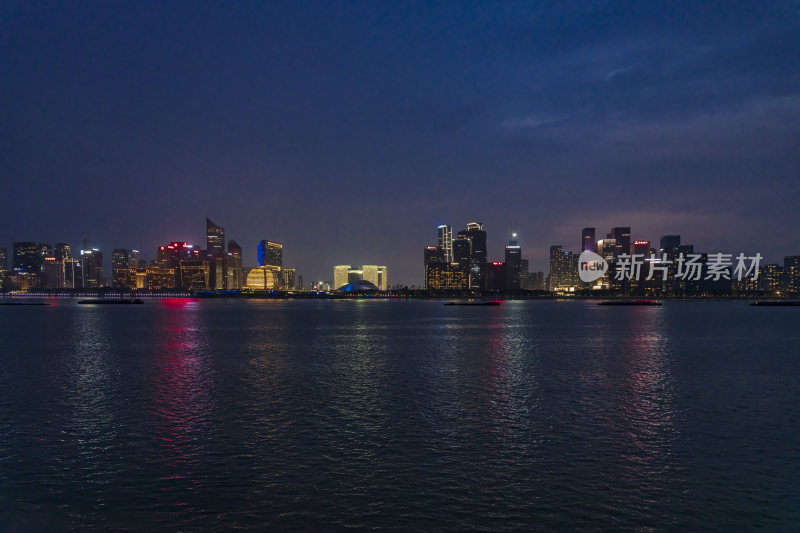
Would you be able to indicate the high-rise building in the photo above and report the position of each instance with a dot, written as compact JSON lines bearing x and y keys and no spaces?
{"x":133,"y":258}
{"x":462,"y":249}
{"x":434,"y":259}
{"x":588,"y":240}
{"x":622,"y":239}
{"x":234,"y":266}
{"x":288,"y":278}
{"x":215,"y":238}
{"x":270,"y":254}
{"x":375,"y":274}
{"x":299,"y":282}
{"x":3,"y":259}
{"x":791,"y":272}
{"x":446,"y":241}
{"x":189,"y":268}
{"x":215,"y":250}
{"x":606,"y":249}
{"x":556,"y":267}
{"x":26,"y":258}
{"x":524,"y":275}
{"x":52,"y":274}
{"x":476,"y":233}
{"x":771,"y":279}
{"x":497,"y":276}
{"x":513,"y":264}
{"x":341,"y":275}
{"x":120,"y":264}
{"x":563,"y":269}
{"x":92,"y":268}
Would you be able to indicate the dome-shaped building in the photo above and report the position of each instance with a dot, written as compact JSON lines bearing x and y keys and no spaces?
{"x":263,"y":278}
{"x":359,"y":286}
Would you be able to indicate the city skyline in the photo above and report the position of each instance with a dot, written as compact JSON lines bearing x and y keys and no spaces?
{"x":351,"y":131}
{"x":216,"y":239}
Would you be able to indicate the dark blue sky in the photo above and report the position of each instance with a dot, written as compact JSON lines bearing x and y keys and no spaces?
{"x":349,"y":131}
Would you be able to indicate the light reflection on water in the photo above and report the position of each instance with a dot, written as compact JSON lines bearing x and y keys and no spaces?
{"x":404,"y":415}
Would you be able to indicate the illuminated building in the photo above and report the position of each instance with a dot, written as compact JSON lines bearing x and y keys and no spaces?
{"x":771,"y":278}
{"x":375,"y":274}
{"x":476,"y":234}
{"x":133,"y":258}
{"x":270,"y":254}
{"x":563,"y":269}
{"x":606,"y":249}
{"x":588,"y":240}
{"x":92,"y":268}
{"x":791,"y":271}
{"x":215,"y":248}
{"x":434,"y":258}
{"x":159,"y":279}
{"x":446,"y":241}
{"x":120,"y":263}
{"x":215,"y":238}
{"x":446,"y":277}
{"x":3,"y":259}
{"x":73,"y":274}
{"x":26,"y":258}
{"x":190,"y":270}
{"x":556,"y":267}
{"x":195,"y":275}
{"x":299,"y":283}
{"x":263,"y":278}
{"x":288,"y":278}
{"x":513,"y":264}
{"x":234,"y":267}
{"x":340,"y":275}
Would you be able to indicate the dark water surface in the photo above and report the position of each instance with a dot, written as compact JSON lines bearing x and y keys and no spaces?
{"x":324,"y":415}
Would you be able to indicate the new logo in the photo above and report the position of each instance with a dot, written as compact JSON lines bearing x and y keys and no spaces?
{"x":591,"y":266}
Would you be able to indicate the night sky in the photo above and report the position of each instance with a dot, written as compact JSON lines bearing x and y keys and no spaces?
{"x":349,"y":130}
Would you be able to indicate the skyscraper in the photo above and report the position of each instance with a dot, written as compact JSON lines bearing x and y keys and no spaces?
{"x":215,"y":238}
{"x":234,"y":266}
{"x":446,"y":241}
{"x":26,"y":258}
{"x":120,"y":263}
{"x":375,"y":274}
{"x":434,"y":260}
{"x":270,"y":254}
{"x":622,"y":239}
{"x":340,"y":276}
{"x":215,"y":248}
{"x":288,"y":279}
{"x":92,"y":268}
{"x":556,"y":268}
{"x":791,"y":271}
{"x":563,"y":269}
{"x":513,"y":264}
{"x":588,"y":240}
{"x":3,"y":259}
{"x":133,"y":258}
{"x":476,"y":234}
{"x":497,"y":276}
